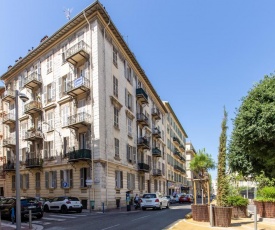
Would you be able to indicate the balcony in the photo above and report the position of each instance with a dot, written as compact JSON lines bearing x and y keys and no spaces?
{"x":9,"y":167}
{"x":143,"y":143}
{"x":177,"y":168}
{"x":79,"y":120}
{"x":77,"y":53}
{"x":9,"y":95}
{"x":142,"y":97}
{"x":9,"y":142}
{"x":34,"y":163}
{"x":157,"y":172}
{"x":182,"y":158}
{"x":33,"y":80}
{"x":142,"y":120}
{"x":33,"y":107}
{"x":156,"y":152}
{"x":182,"y":147}
{"x":33,"y":135}
{"x":78,"y":86}
{"x":9,"y":119}
{"x":176,"y":140}
{"x":177,"y":154}
{"x":156,"y":133}
{"x":156,"y":114}
{"x":79,"y":155}
{"x":143,"y":167}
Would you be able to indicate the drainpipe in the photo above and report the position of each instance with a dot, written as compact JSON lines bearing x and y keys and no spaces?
{"x":92,"y":108}
{"x":105,"y":101}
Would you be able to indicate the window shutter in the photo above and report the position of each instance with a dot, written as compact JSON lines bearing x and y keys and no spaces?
{"x":82,"y":177}
{"x":55,"y":178}
{"x":116,"y":179}
{"x":21,"y":181}
{"x":60,"y":86}
{"x":13,"y":182}
{"x":53,"y":91}
{"x":71,"y":178}
{"x":126,"y":101}
{"x":20,"y":153}
{"x":45,"y":95}
{"x":46,"y":179}
{"x":61,"y":178}
{"x":128,"y":181}
{"x":121,"y":179}
{"x":27,"y":181}
{"x":128,"y":152}
{"x":134,"y":180}
{"x":135,"y":155}
{"x":86,"y":71}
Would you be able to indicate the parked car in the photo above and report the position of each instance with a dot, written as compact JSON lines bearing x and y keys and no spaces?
{"x":42,"y":201}
{"x":154,"y":200}
{"x":177,"y":197}
{"x":63,"y":204}
{"x":186,"y":198}
{"x":27,"y":203}
{"x":171,"y":199}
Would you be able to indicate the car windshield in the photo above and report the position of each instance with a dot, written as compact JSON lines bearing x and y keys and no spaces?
{"x":7,"y":201}
{"x":168,"y":197}
{"x":149,"y":196}
{"x":73,"y":199}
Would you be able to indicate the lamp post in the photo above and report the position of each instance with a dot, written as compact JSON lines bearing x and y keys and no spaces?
{"x":89,"y":183}
{"x":24,"y":98}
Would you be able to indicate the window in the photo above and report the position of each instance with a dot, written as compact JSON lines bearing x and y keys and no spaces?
{"x":129,"y":74}
{"x":129,"y":122}
{"x":24,"y":181}
{"x":23,"y":130}
{"x":115,"y":56}
{"x":130,"y":181}
{"x":51,"y":179}
{"x":48,"y":151}
{"x":66,"y":178}
{"x":131,"y":153}
{"x":63,"y":85}
{"x":141,"y":182}
{"x":50,"y":63}
{"x":49,"y":120}
{"x":64,"y":49}
{"x":49,"y":93}
{"x":84,"y":174}
{"x":159,"y":186}
{"x":116,"y":124}
{"x":155,"y":185}
{"x":116,"y":147}
{"x":128,"y":100}
{"x":119,"y":179}
{"x":163,"y":171}
{"x":115,"y":86}
{"x":37,"y":180}
{"x":65,"y":146}
{"x":65,"y":113}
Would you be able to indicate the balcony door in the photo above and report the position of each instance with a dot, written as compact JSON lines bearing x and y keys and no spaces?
{"x":82,"y":141}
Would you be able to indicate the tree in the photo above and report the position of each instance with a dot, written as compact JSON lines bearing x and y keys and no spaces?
{"x":223,"y":185}
{"x":252,"y":144}
{"x":202,"y":162}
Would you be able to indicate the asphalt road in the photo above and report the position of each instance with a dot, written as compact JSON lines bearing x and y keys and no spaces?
{"x":133,"y":220}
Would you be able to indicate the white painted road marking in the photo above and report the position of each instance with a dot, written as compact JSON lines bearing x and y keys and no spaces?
{"x":111,"y":227}
{"x":140,"y":218}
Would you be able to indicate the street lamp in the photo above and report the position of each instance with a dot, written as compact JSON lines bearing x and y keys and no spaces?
{"x":89,"y":183}
{"x":24,"y":98}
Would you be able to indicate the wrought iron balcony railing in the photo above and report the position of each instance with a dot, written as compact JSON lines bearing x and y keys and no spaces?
{"x":79,"y":120}
{"x":156,"y":152}
{"x":143,"y":143}
{"x":143,"y":167}
{"x":141,"y":96}
{"x":80,"y":154}
{"x":34,"y":163}
{"x":33,"y":107}
{"x":78,"y":86}
{"x":156,"y":113}
{"x":9,"y":95}
{"x":77,"y":53}
{"x":142,"y":120}
{"x":33,"y":80}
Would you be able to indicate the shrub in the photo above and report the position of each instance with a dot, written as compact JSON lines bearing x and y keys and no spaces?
{"x":237,"y":201}
{"x":266,"y":194}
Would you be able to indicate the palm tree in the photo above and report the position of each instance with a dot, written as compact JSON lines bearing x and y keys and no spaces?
{"x":201,"y":163}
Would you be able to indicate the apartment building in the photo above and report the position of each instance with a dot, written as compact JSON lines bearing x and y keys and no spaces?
{"x":93,"y":114}
{"x":175,"y":152}
{"x":190,"y":154}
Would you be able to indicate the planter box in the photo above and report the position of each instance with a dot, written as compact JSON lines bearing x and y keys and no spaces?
{"x":200,"y":212}
{"x":265,"y":209}
{"x":239,"y":212}
{"x":260,"y":207}
{"x":222,"y":216}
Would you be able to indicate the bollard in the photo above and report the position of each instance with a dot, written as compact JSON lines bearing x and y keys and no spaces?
{"x":30,"y":219}
{"x":255,"y":217}
{"x":211,"y":215}
{"x":102,"y":207}
{"x":0,"y":220}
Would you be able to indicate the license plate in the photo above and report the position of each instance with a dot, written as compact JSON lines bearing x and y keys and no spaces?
{"x":31,"y":207}
{"x":148,"y":201}
{"x":76,"y":205}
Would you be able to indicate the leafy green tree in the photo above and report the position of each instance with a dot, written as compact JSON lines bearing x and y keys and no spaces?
{"x":202,"y":162}
{"x":252,"y":144}
{"x":223,"y":185}
{"x":263,"y":181}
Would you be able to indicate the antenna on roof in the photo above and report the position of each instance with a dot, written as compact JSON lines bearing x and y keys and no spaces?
{"x":68,"y":13}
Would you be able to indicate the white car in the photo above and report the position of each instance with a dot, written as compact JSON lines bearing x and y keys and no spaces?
{"x":154,"y":200}
{"x":63,"y":204}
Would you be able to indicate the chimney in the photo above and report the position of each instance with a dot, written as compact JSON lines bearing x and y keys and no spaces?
{"x":43,"y":39}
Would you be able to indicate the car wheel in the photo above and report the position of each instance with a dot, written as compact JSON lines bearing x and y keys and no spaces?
{"x":46,"y":208}
{"x":79,"y":211}
{"x":39,"y":216}
{"x":64,"y":209}
{"x":144,"y":209}
{"x":168,"y":204}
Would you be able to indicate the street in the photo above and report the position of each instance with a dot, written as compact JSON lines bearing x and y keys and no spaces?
{"x":134,"y":220}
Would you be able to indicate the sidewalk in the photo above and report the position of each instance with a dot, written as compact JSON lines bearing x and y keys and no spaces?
{"x":236,"y":224}
{"x":24,"y":226}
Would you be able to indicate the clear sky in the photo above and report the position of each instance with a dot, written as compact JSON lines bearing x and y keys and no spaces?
{"x":199,"y":55}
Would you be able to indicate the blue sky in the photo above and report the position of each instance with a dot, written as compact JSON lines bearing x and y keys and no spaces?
{"x":199,"y":55}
